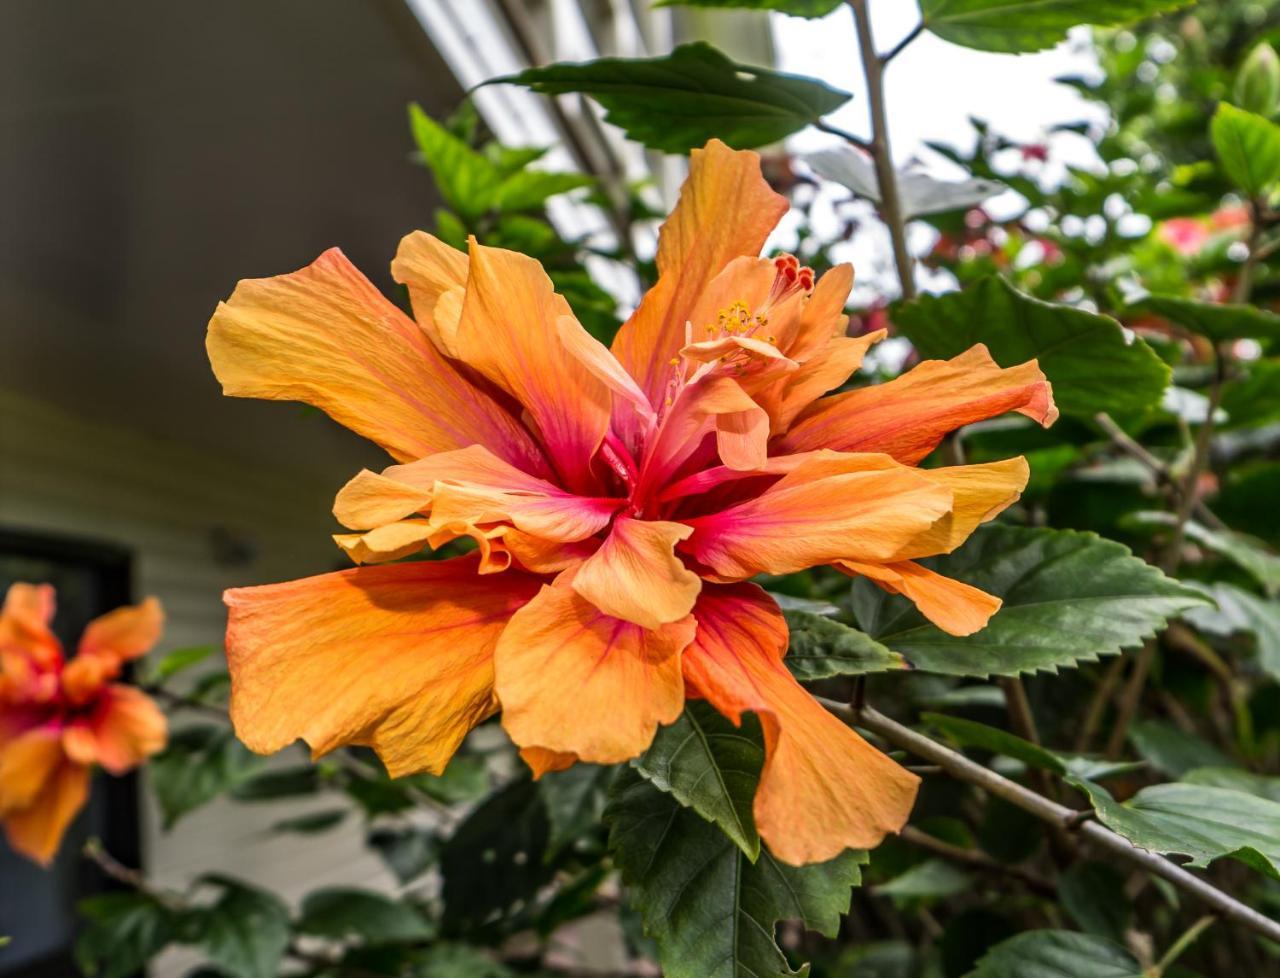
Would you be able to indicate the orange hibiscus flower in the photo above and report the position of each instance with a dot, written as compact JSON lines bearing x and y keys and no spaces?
{"x":619,"y":501}
{"x":58,"y":718}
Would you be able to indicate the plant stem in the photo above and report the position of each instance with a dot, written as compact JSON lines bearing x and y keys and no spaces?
{"x":898,"y":48}
{"x":1182,"y":943}
{"x":963,"y":769}
{"x":845,"y":134}
{"x":978,"y":860}
{"x":890,"y":205}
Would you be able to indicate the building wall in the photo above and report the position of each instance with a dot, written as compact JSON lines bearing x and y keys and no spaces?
{"x":196,"y":524}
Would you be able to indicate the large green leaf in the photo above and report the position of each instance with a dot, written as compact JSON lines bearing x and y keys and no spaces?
{"x":678,"y":102}
{"x":797,"y":8}
{"x":1028,"y":25}
{"x":200,"y":763}
{"x":467,"y":180}
{"x":711,"y":766}
{"x":1171,"y":750}
{"x":372,"y":918}
{"x":123,"y":931}
{"x":1093,"y":894}
{"x":970,"y":733}
{"x":1202,"y":822}
{"x":1262,"y":785}
{"x":933,"y":879}
{"x":1248,"y":553}
{"x":1068,"y":597}
{"x":245,"y":932}
{"x":1056,"y":954}
{"x":1087,"y":358}
{"x":821,"y":648}
{"x":1248,"y":146}
{"x":710,"y":910}
{"x":1217,"y":321}
{"x":1255,"y":397}
{"x":574,"y":800}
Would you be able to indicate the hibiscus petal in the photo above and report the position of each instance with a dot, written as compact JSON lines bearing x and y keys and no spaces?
{"x":823,"y":788}
{"x":385,"y":543}
{"x":830,"y":507}
{"x":399,"y":658}
{"x":36,"y":831}
{"x":326,"y":336}
{"x":510,"y":332}
{"x":955,"y":607}
{"x":636,"y":575}
{"x":541,"y":761}
{"x":431,"y":269}
{"x":25,"y":640}
{"x":726,"y":210}
{"x":978,"y":492}
{"x":124,"y":729}
{"x":823,"y":318}
{"x":573,"y":680}
{"x":125,"y":633}
{"x":824,"y":371}
{"x":907,"y":417}
{"x":28,"y":761}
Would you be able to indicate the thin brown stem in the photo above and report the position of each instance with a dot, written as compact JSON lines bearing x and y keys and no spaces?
{"x":963,"y":769}
{"x":1098,"y":704}
{"x":977,"y":860}
{"x":881,"y":154}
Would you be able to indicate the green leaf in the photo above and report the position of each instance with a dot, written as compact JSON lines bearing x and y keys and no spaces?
{"x":821,"y":648}
{"x":1257,"y":85}
{"x":458,"y":961}
{"x":311,"y":823}
{"x":465,"y":779}
{"x":1015,"y":26}
{"x":933,"y":879}
{"x":343,"y":913}
{"x":1236,"y":780}
{"x":1093,"y":894}
{"x":970,"y":733}
{"x":711,"y":766}
{"x":124,"y":931}
{"x":467,"y":181}
{"x":1197,"y":821}
{"x":531,"y":188}
{"x":1248,"y":146}
{"x":1068,"y":597}
{"x":245,"y":932}
{"x":408,"y":852}
{"x":1056,"y":953}
{"x":493,"y":864}
{"x":1217,"y":321}
{"x":575,"y":802}
{"x":174,"y":662}
{"x":200,"y":763}
{"x":1087,"y":358}
{"x":678,"y":102}
{"x":1173,"y":751}
{"x":712,"y":911}
{"x":289,"y":782}
{"x":1254,"y":398}
{"x":797,"y":8}
{"x":1248,"y":553}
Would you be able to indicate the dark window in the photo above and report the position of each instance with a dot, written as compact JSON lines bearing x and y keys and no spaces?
{"x":37,"y":906}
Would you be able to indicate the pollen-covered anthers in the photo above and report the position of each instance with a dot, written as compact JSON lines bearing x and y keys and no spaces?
{"x":790,"y":277}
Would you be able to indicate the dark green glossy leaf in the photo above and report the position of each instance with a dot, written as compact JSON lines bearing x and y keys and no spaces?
{"x":372,"y":918}
{"x":933,"y":879}
{"x":1201,"y":822}
{"x":970,"y":733}
{"x":678,"y":102}
{"x":1255,"y":397}
{"x":408,"y":852}
{"x":821,"y":647}
{"x":244,"y":933}
{"x":1217,"y":321}
{"x":178,"y":660}
{"x":1092,"y":365}
{"x":1029,"y":25}
{"x":458,"y":961}
{"x":1173,"y":751}
{"x":1235,"y":779}
{"x":200,"y":763}
{"x":1093,"y":894}
{"x":711,"y":766}
{"x":1068,"y":597}
{"x":712,"y":911}
{"x":123,"y":932}
{"x":312,"y":823}
{"x":575,"y":803}
{"x":290,"y":782}
{"x":1248,"y":146}
{"x":1056,"y":953}
{"x":1245,"y":551}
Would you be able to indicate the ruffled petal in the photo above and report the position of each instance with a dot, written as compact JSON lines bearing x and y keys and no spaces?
{"x":823,"y":788}
{"x":726,"y":210}
{"x":399,"y":658}
{"x":511,"y":332}
{"x":27,"y":762}
{"x":824,"y":371}
{"x":636,"y":575}
{"x":37,"y":830}
{"x":955,"y":607}
{"x":125,"y":633}
{"x":27,"y":645}
{"x":573,"y":680}
{"x":830,"y":507}
{"x":907,"y":417}
{"x":326,"y":336}
{"x":124,"y":729}
{"x":386,"y":543}
{"x":430,"y":270}
{"x":978,"y":493}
